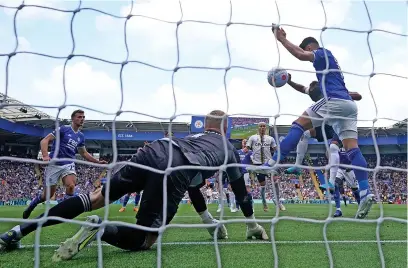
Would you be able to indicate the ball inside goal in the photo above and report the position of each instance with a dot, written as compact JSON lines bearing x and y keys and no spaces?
{"x":277,"y":77}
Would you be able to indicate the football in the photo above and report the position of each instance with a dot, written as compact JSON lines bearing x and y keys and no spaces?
{"x":278,"y":77}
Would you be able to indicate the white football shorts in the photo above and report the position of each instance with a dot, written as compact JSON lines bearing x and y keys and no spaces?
{"x":348,"y":176}
{"x":344,"y":128}
{"x":54,"y":173}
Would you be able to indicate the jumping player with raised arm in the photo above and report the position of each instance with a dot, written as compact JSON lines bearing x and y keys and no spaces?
{"x":337,"y":102}
{"x":262,"y":147}
{"x":315,"y":93}
{"x":72,"y":140}
{"x":200,"y":150}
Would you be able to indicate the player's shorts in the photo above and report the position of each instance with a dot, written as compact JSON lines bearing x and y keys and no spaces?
{"x":54,"y":173}
{"x":247,"y":179}
{"x":135,"y":179}
{"x":327,"y":129}
{"x":348,"y":176}
{"x":261,"y":177}
{"x":345,"y":128}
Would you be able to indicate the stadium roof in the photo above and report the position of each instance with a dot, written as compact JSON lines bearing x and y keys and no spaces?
{"x":23,"y":113}
{"x":137,"y":126}
{"x":401,"y":124}
{"x":17,"y":111}
{"x":382,"y":131}
{"x":14,"y":110}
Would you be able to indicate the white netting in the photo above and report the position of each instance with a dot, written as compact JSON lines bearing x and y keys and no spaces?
{"x":17,"y":9}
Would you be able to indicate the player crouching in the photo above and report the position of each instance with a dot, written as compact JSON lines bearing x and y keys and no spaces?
{"x":129,"y":178}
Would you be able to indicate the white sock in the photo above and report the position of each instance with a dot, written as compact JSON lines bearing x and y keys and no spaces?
{"x":334,"y":160}
{"x":271,"y":162}
{"x":301,"y":150}
{"x":232,"y":200}
{"x":206,"y":216}
{"x":18,"y":231}
{"x":251,"y":225}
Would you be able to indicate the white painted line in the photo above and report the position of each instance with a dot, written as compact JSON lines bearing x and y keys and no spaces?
{"x":250,"y":242}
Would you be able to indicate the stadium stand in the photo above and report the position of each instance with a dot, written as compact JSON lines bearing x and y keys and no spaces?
{"x":22,"y":127}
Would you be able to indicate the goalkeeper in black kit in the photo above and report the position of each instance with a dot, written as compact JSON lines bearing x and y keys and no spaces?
{"x":200,"y":150}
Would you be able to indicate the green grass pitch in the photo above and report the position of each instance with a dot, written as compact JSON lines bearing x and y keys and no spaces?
{"x":299,"y":244}
{"x":245,"y":133}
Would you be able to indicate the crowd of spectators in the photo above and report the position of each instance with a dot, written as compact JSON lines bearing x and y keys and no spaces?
{"x":241,"y":121}
{"x":22,"y":180}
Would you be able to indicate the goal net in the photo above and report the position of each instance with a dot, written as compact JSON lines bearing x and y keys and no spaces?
{"x":169,"y":60}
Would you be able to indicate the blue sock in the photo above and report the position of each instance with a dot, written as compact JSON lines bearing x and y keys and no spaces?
{"x":357,"y":159}
{"x":126,"y":200}
{"x":290,"y":141}
{"x":66,"y":196}
{"x":337,"y":196}
{"x":228,"y":199}
{"x":137,"y":199}
{"x":356,"y":194}
{"x":35,"y":201}
{"x":236,"y":204}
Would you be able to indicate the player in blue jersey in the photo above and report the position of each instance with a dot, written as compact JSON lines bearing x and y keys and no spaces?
{"x":126,"y":200}
{"x":315,"y":93}
{"x":347,"y":175}
{"x":72,"y":140}
{"x":336,"y":103}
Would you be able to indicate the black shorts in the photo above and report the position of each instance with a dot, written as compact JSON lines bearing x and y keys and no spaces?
{"x":135,"y":179}
{"x":330,"y":133}
{"x":261,"y":177}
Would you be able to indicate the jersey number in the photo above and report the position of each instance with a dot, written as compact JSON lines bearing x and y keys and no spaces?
{"x":338,"y":66}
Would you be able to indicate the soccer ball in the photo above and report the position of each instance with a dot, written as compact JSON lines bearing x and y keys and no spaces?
{"x":278,"y":77}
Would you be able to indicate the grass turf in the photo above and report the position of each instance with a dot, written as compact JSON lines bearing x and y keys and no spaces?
{"x":299,"y":244}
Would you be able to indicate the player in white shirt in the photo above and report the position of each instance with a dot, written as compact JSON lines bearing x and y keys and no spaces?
{"x":263,"y":147}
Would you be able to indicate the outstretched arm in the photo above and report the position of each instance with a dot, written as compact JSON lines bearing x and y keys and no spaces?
{"x":293,"y":49}
{"x":88,"y":157}
{"x":298,"y":87}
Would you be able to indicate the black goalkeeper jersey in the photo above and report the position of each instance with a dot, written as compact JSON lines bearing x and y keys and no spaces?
{"x":207,"y":149}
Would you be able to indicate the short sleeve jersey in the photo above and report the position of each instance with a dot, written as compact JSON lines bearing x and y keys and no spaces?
{"x":70,"y":141}
{"x":333,"y":81}
{"x":261,"y":148}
